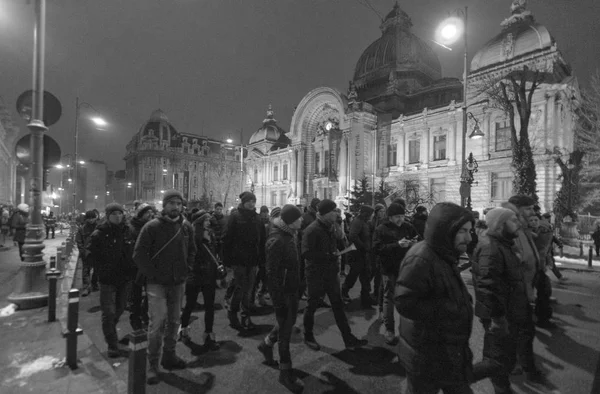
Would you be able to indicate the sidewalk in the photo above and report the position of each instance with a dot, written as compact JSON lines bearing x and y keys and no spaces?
{"x":33,"y":351}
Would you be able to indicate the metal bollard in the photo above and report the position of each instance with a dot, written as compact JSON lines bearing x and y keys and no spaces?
{"x":52,"y":276}
{"x":73,"y":329}
{"x":590,"y":256}
{"x":561,"y":252}
{"x":580,"y":249}
{"x":138,"y":342}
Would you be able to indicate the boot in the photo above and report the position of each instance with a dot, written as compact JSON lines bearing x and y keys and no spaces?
{"x":172,"y":361}
{"x":152,"y":375}
{"x":234,"y":322}
{"x":267,"y":351}
{"x":247,"y":324}
{"x":311,"y":342}
{"x":390,"y":338}
{"x":184,"y":334}
{"x":85,"y":292}
{"x":210,"y":343}
{"x":345,"y":296}
{"x":290,"y":382}
{"x":353,"y":342}
{"x":113,"y":351}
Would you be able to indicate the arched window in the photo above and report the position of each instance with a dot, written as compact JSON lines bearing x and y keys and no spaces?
{"x":276,"y":172}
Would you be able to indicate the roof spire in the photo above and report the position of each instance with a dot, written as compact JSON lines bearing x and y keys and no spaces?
{"x":270,"y":112}
{"x":519,"y":13}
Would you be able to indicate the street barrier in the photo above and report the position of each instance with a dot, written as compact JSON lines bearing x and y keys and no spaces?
{"x":138,"y":342}
{"x":73,"y":329}
{"x":52,"y":276}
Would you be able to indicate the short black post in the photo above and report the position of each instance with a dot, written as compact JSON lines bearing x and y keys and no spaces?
{"x":590,"y":256}
{"x":561,"y":252}
{"x":73,"y":329}
{"x":138,"y":342}
{"x":580,"y":249}
{"x":52,"y":275}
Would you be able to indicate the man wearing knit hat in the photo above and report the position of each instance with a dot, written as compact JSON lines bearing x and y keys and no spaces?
{"x":284,"y":280}
{"x":501,"y":301}
{"x":319,"y":249}
{"x":243,"y":248}
{"x":164,"y":250}
{"x":360,"y":266}
{"x":82,"y":238}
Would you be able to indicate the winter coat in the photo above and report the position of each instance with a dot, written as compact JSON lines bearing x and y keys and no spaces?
{"x":498,"y":279}
{"x":244,"y":239}
{"x":218,"y":222}
{"x":282,"y":264}
{"x":418,"y":221}
{"x":50,"y":221}
{"x":542,"y":237}
{"x":135,"y":227}
{"x":319,"y":245}
{"x":170,"y":266}
{"x":111,"y":249}
{"x":360,"y":235}
{"x":203,"y":271}
{"x":18,"y":223}
{"x":385,"y":245}
{"x":436,"y":315}
{"x":84,"y":237}
{"x":530,"y":257}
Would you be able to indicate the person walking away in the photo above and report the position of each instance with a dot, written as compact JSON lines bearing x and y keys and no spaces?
{"x":436,"y":315}
{"x":18,"y":224}
{"x":163,"y":252}
{"x":202,"y":278}
{"x":391,"y":240}
{"x":83,"y":238}
{"x":319,"y":250}
{"x":282,"y":264}
{"x":50,"y":224}
{"x":243,"y":248}
{"x":360,"y":236}
{"x":501,"y":298}
{"x":111,"y":248}
{"x":138,"y":303}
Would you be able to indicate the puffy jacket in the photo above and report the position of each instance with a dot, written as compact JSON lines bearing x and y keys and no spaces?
{"x":204,"y":269}
{"x":385,"y":245}
{"x":244,"y":239}
{"x":319,"y":245}
{"x":111,"y":249}
{"x":360,"y":235}
{"x":83,"y":238}
{"x":282,"y":262}
{"x":436,"y":314}
{"x":170,"y":266}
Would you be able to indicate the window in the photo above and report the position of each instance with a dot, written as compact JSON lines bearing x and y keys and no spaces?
{"x":503,"y":138}
{"x":414,"y":151}
{"x":501,"y":185}
{"x":439,"y":147}
{"x":317,"y":163}
{"x":274,"y":199}
{"x":392,"y":154}
{"x":282,"y":198}
{"x":276,"y":173}
{"x":438,"y":189}
{"x":284,"y":172}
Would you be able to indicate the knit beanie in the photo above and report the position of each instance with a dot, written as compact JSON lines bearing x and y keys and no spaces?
{"x":326,"y":206}
{"x":23,"y":208}
{"x":113,"y":207}
{"x":264,"y":208}
{"x":275,"y":212}
{"x":143,"y":209}
{"x":395,"y":209}
{"x":400,"y":201}
{"x":247,"y":196}
{"x":379,"y":207}
{"x":496,"y":218}
{"x":290,"y":213}
{"x":218,"y":204}
{"x":366,"y":210}
{"x":91,"y":215}
{"x":521,"y":200}
{"x":171,"y":194}
{"x":200,"y":216}
{"x":314,"y":203}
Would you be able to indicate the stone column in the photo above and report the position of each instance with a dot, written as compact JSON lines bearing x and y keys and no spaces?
{"x":425,"y":150}
{"x":300,"y":173}
{"x":293,"y":174}
{"x":343,"y":163}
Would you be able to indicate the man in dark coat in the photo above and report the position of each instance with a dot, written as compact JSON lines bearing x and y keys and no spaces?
{"x":163,"y":252}
{"x":419,"y":219}
{"x":83,"y":238}
{"x":284,"y":280}
{"x":50,"y":224}
{"x":391,"y":241}
{"x":501,"y":297}
{"x":307,"y":218}
{"x":436,"y":315}
{"x":243,"y":248}
{"x":217,"y":224}
{"x":111,"y":247}
{"x":18,"y":224}
{"x":319,"y":249}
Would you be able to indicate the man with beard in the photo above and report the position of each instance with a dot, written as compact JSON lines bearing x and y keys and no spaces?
{"x":436,"y":315}
{"x":111,"y":247}
{"x":83,"y":238}
{"x":243,"y":248}
{"x":163,"y":252}
{"x":501,"y":297}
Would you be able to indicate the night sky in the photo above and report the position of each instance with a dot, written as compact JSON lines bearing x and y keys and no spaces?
{"x":214,"y":66}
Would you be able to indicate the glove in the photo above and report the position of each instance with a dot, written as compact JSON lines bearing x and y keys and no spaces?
{"x":499,"y":326}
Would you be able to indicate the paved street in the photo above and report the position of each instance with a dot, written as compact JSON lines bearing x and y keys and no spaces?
{"x":569,"y":354}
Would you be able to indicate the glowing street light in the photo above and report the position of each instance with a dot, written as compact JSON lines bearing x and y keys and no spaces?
{"x":229,"y":140}
{"x":98,"y":121}
{"x":81,"y":162}
{"x":59,"y":166}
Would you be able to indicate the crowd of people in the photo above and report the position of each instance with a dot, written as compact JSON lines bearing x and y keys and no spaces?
{"x":156,"y":264}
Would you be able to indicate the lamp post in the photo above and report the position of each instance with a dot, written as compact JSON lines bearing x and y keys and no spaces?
{"x":471,"y":167}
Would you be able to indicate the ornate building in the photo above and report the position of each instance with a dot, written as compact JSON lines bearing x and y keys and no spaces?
{"x":8,"y":161}
{"x":159,"y":157}
{"x":401,"y":121}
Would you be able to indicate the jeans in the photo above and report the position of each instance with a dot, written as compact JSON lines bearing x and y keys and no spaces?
{"x":424,"y":385}
{"x":261,"y":278}
{"x":321,"y":281}
{"x":86,"y":274}
{"x":112,"y":304}
{"x":359,"y":269}
{"x":243,"y":282}
{"x":138,"y":311}
{"x":282,"y":332}
{"x":164,"y":305}
{"x":389,"y":284}
{"x":191,"y":295}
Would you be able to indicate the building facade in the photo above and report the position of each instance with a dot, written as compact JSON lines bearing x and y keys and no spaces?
{"x":8,"y":161}
{"x":400,"y":121}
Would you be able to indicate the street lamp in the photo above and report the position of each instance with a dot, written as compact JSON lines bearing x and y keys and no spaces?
{"x":471,"y":167}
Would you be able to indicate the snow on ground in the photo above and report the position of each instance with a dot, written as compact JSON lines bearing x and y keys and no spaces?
{"x":570,"y":260}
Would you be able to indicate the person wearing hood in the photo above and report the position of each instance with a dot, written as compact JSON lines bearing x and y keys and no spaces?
{"x":202,"y":278}
{"x":436,"y":314}
{"x":320,"y":252}
{"x":18,"y":224}
{"x":138,"y":304}
{"x":83,"y":238}
{"x":163,"y":252}
{"x":391,"y":240}
{"x":243,"y":249}
{"x":282,"y":264}
{"x":111,"y":248}
{"x":501,"y":298}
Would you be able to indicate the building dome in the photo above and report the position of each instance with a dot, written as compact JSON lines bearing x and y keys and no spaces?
{"x":158,"y":126}
{"x":270,"y":131}
{"x":396,"y":51}
{"x":521,"y":35}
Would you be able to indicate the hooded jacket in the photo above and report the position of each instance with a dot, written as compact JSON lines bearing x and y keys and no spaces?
{"x":436,"y":314}
{"x":282,"y":262}
{"x":244,"y":239}
{"x":170,"y":266}
{"x":111,"y":249}
{"x":498,"y":277}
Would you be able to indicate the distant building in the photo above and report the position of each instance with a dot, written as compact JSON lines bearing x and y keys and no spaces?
{"x":91,"y":189}
{"x":8,"y":161}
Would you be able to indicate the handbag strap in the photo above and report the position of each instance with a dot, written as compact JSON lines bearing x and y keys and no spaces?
{"x":167,"y":244}
{"x":211,"y":255}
